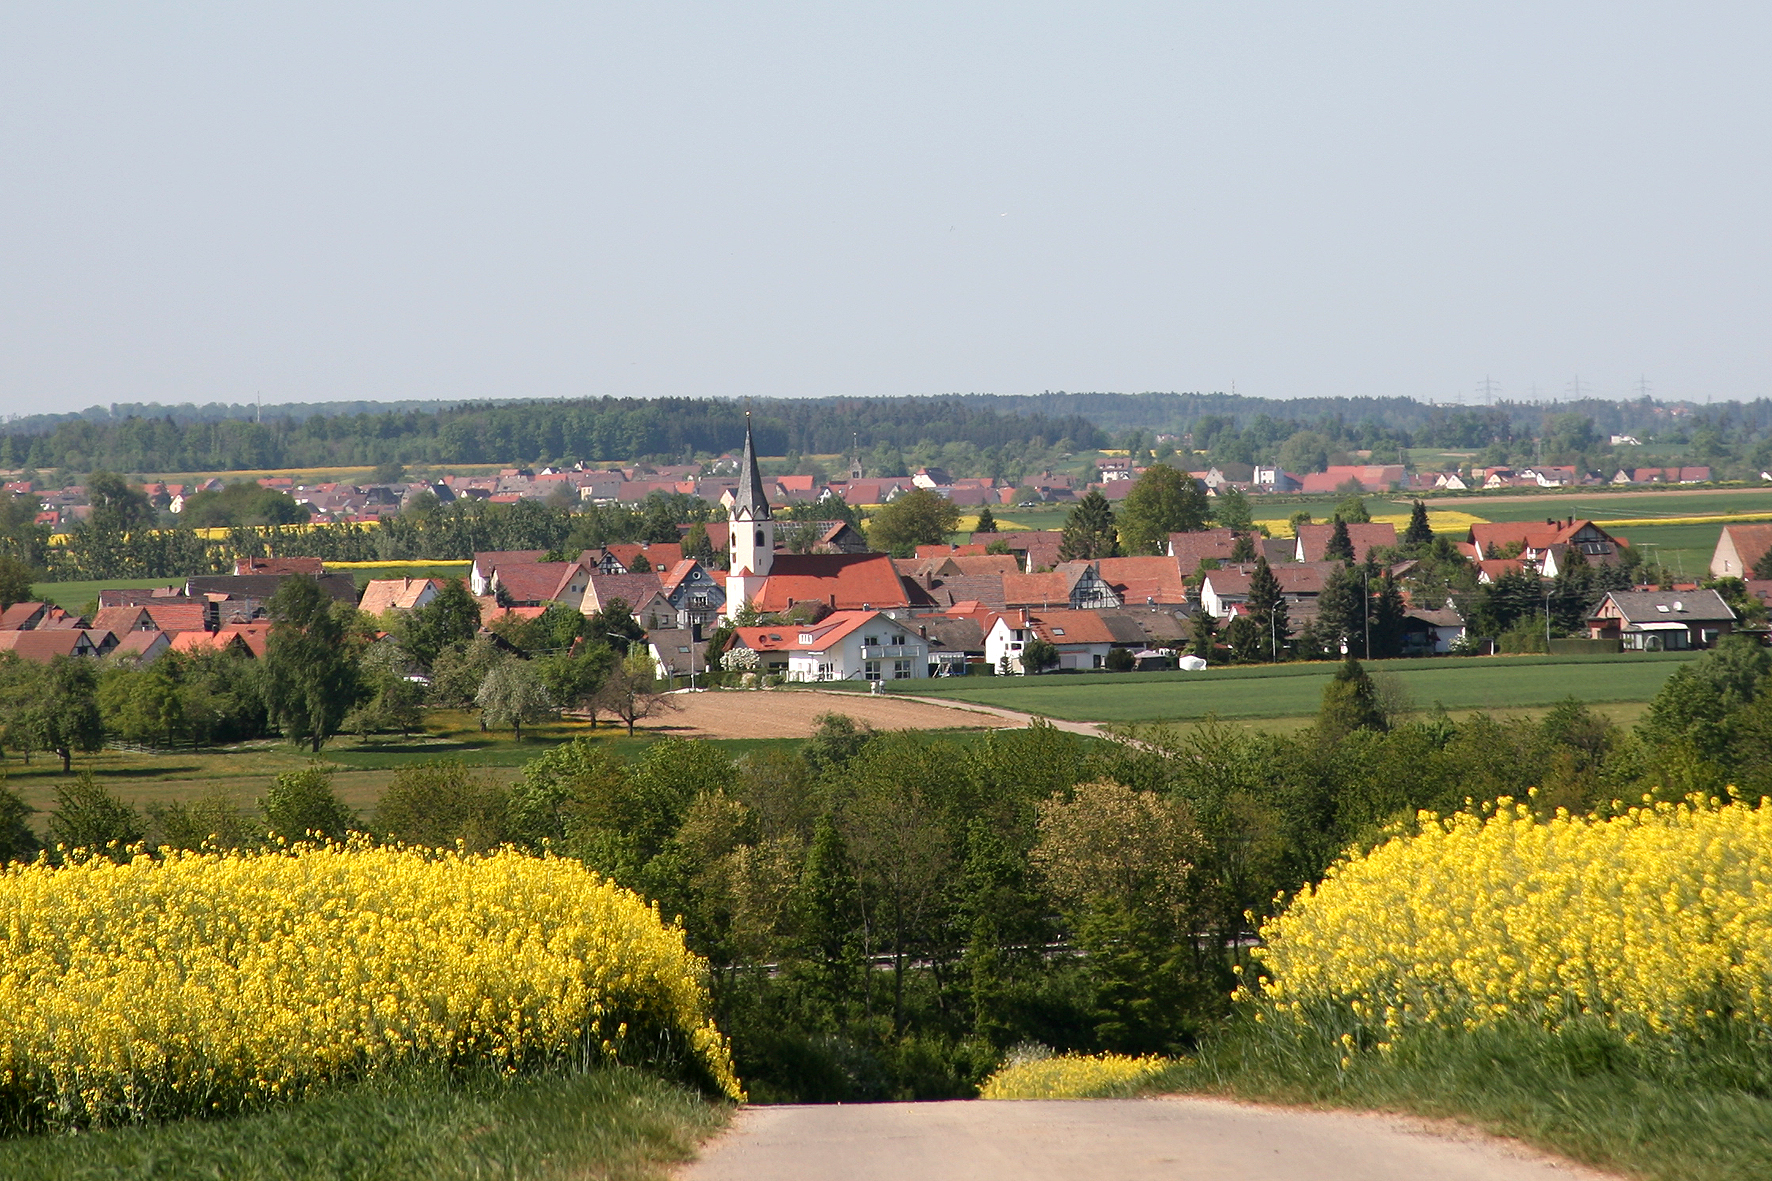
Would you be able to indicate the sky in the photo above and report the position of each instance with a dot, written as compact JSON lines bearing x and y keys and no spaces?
{"x":318,"y":201}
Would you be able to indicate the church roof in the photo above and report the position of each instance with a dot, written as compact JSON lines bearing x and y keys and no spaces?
{"x":841,"y":581}
{"x":749,"y":500}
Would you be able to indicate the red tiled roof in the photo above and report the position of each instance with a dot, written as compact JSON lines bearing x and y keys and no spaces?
{"x":1136,"y":580}
{"x":632,"y":589}
{"x":16,"y":616}
{"x":1070,"y":627}
{"x":207,"y":642}
{"x":1190,"y":549}
{"x":256,"y":636}
{"x":173,"y":617}
{"x":1366,"y":535}
{"x":842,"y":581}
{"x":537,"y":582}
{"x":40,"y":647}
{"x":1036,"y":589}
{"x":1496,"y":567}
{"x":313,"y":566}
{"x":140,"y":643}
{"x":122,"y":620}
{"x":660,"y":555}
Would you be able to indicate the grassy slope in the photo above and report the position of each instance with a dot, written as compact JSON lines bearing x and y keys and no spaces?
{"x":1583,"y":1093}
{"x":606,"y":1124}
{"x":1295,"y":690}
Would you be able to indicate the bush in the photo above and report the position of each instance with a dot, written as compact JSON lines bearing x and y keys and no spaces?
{"x":1120,"y":660}
{"x":1038,"y":1075}
{"x":87,"y":816}
{"x":301,"y":804}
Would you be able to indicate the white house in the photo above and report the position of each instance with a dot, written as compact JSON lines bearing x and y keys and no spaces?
{"x":843,"y":646}
{"x":1083,"y":638}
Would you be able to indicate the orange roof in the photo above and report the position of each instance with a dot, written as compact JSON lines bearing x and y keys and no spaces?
{"x":208,"y":642}
{"x":1031,"y":589}
{"x":939,"y":551}
{"x":842,"y":581}
{"x":1070,"y":627}
{"x":41,"y":647}
{"x":1494,"y":568}
{"x":660,"y":555}
{"x":383,"y":594}
{"x":256,"y":636}
{"x":816,"y":637}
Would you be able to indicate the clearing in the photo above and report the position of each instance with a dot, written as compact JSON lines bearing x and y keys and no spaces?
{"x":793,"y":713}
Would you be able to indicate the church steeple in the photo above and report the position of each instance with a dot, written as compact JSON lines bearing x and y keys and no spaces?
{"x":751,"y":528}
{"x":749,"y":503}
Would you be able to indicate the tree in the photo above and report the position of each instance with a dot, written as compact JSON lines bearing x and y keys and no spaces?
{"x":302,"y":804}
{"x":1243,"y":549}
{"x":630,"y":692}
{"x":310,"y":671}
{"x":1163,"y":501}
{"x":1350,"y":702}
{"x":453,"y":617}
{"x":242,"y":503}
{"x":1296,"y":519}
{"x":1267,"y":610}
{"x":1038,"y":655}
{"x":573,"y":678}
{"x":87,"y":816}
{"x":1304,"y":452}
{"x":1204,"y":635}
{"x":1120,"y":660}
{"x":439,"y":803}
{"x":1419,"y":531}
{"x":116,"y":506}
{"x":1354,"y":507}
{"x":1233,"y":510}
{"x":512,"y":693}
{"x":17,"y":841}
{"x":697,"y":544}
{"x":66,"y":716}
{"x":16,"y":578}
{"x":614,"y":623}
{"x":987,"y":523}
{"x":828,"y":916}
{"x":1089,"y":530}
{"x":1341,"y":612}
{"x":917,"y":517}
{"x":640,"y":565}
{"x":1763,"y":566}
{"x":1388,"y":612}
{"x":835,"y":741}
{"x":1341,"y":546}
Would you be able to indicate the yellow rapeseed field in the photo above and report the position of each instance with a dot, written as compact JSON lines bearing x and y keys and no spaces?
{"x":204,"y":982}
{"x":1656,"y":921}
{"x":1070,"y":1076}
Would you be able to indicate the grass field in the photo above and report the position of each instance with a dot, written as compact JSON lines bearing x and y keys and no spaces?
{"x":608,"y":1124}
{"x":1296,"y":690}
{"x":71,"y":596}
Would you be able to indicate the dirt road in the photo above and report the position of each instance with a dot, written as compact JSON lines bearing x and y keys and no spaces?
{"x":1103,"y":1140}
{"x":792,"y":713}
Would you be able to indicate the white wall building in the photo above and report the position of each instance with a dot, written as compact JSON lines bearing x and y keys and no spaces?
{"x":843,"y":646}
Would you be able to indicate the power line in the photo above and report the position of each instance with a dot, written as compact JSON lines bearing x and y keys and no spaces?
{"x":1487,"y":387}
{"x":1579,"y":389}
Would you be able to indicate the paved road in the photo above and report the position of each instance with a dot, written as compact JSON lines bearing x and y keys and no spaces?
{"x":1102,"y":1140}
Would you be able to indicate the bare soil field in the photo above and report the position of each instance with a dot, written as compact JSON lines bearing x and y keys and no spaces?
{"x":793,"y":713}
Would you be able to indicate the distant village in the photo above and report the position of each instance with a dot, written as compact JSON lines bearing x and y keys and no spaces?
{"x":845,"y":612}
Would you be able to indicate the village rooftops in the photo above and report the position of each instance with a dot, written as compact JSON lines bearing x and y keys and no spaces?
{"x":1313,"y":540}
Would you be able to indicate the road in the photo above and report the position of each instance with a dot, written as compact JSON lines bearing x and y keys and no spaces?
{"x":1104,"y":1140}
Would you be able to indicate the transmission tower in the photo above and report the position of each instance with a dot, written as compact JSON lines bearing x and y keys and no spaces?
{"x":1579,"y":389}
{"x":1642,"y":386}
{"x":1487,"y":387}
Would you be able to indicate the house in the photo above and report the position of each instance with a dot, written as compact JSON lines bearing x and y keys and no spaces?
{"x":1739,"y":550}
{"x":695,"y":594}
{"x":1653,"y":621}
{"x":1223,"y":589}
{"x":1312,"y":543}
{"x":632,"y":589}
{"x":536,"y":584}
{"x":221,"y":641}
{"x":1037,"y":549}
{"x":40,"y":646}
{"x":23,"y":617}
{"x":1431,"y":631}
{"x":1493,"y":569}
{"x":1535,"y":540}
{"x":244,"y":597}
{"x":1370,"y":477}
{"x":157,"y":617}
{"x":398,"y":594}
{"x":1073,"y":585}
{"x":1150,"y":581}
{"x":675,"y":653}
{"x":1190,"y":549}
{"x":1083,"y":638}
{"x":142,"y":647}
{"x":955,"y":643}
{"x":660,"y":555}
{"x":485,"y":564}
{"x":843,"y":646}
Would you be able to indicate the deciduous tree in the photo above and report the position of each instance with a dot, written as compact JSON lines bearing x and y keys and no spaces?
{"x":1163,"y":501}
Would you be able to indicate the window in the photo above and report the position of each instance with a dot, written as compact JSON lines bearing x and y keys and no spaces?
{"x":759,"y":539}
{"x":1098,"y":662}
{"x":871,"y":670}
{"x":901,"y":670}
{"x":1058,"y":631}
{"x":871,"y":641}
{"x":826,"y":671}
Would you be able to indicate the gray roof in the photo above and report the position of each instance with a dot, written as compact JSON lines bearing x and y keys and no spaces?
{"x":749,"y":501}
{"x":1695,"y":606}
{"x":668,"y":642}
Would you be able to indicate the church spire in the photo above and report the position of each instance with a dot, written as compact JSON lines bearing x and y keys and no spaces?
{"x":749,"y":502}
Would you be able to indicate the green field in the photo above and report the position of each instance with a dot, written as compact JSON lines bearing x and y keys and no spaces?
{"x":72,"y":596}
{"x":1296,"y":690}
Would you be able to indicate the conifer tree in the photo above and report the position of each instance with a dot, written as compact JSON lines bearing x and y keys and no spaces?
{"x":1341,"y":546}
{"x":987,"y":523}
{"x":1089,"y":531}
{"x":1419,"y":531}
{"x":1388,"y":610}
{"x":829,"y":920}
{"x":1350,"y":702}
{"x":1267,"y":610}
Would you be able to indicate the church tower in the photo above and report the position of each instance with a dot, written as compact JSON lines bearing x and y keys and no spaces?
{"x":751,"y":529}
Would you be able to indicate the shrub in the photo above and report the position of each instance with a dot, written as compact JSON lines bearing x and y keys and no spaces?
{"x":1036,"y":1075}
{"x":441,"y":802}
{"x":302,"y":804}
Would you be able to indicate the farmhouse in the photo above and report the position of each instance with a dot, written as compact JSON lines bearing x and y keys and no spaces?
{"x":843,"y":646}
{"x":1739,"y":550}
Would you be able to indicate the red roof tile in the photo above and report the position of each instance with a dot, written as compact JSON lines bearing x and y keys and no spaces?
{"x":841,"y":581}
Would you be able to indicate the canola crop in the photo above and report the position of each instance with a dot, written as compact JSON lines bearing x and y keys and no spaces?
{"x":1071,"y":1076}
{"x":205,"y":982}
{"x":1657,"y":921}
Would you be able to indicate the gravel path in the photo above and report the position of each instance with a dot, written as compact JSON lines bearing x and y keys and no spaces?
{"x":1105,"y":1140}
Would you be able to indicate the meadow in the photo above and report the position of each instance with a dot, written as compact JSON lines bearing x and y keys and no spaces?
{"x":1296,"y":690}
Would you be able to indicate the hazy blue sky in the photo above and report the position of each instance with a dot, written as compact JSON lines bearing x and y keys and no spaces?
{"x":319,"y":201}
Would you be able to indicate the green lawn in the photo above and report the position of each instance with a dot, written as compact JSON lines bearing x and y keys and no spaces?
{"x":1296,"y":690}
{"x":71,"y":596}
